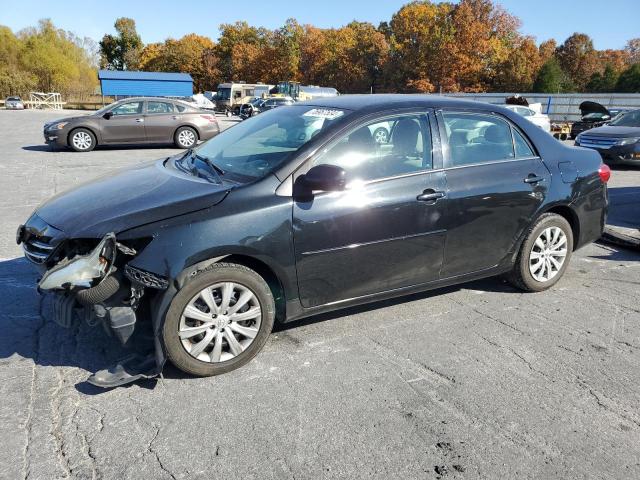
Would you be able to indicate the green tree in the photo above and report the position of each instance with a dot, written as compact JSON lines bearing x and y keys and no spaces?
{"x":551,"y":78}
{"x":603,"y":82}
{"x":56,"y":61}
{"x":629,"y":81}
{"x":121,"y":51}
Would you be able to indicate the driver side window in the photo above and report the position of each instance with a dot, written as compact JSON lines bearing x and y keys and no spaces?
{"x":383,"y":148}
{"x":129,"y":108}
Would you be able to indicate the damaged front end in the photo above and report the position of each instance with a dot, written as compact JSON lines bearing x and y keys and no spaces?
{"x":93,"y":283}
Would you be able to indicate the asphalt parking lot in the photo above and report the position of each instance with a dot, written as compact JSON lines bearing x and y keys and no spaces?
{"x":475,"y":381}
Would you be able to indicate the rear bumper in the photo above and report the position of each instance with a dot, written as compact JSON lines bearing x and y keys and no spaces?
{"x":591,"y":210}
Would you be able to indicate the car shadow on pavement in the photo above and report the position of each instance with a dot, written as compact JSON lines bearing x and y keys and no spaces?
{"x":150,"y":146}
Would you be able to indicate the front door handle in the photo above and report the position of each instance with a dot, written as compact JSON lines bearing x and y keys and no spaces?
{"x":139,"y":120}
{"x":533,"y":178}
{"x":430,"y":195}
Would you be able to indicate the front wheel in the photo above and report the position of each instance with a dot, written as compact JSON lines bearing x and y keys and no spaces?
{"x":82,"y":140}
{"x":219,"y":321}
{"x":544,"y":255}
{"x":185,"y":137}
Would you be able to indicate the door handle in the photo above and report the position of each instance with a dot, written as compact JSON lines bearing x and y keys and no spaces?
{"x":430,"y":195}
{"x":533,"y":179}
{"x":175,"y":117}
{"x":139,"y":120}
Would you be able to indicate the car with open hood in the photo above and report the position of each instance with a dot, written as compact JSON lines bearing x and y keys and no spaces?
{"x":299,"y":211}
{"x":139,"y":120}
{"x":618,"y":142}
{"x":593,"y":115}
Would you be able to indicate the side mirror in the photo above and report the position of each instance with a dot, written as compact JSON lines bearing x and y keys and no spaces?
{"x":107,"y":115}
{"x":327,"y":178}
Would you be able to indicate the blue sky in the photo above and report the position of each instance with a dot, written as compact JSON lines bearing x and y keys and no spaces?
{"x":609,"y":22}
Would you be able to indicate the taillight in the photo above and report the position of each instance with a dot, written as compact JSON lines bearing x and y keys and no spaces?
{"x":605,"y":172}
{"x":209,"y":118}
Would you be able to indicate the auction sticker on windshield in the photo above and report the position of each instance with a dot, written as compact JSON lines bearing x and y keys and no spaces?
{"x":327,"y":113}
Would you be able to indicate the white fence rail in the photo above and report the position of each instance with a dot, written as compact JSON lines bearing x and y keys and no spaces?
{"x":563,"y":106}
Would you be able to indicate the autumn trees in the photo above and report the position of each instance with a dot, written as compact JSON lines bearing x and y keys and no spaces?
{"x":45,"y":58}
{"x":426,"y":46}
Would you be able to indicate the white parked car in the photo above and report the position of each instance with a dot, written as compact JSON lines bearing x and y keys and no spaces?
{"x":14,"y":103}
{"x":534,"y":114}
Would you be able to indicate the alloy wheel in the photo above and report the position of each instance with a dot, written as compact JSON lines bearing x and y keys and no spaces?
{"x":548,"y":254}
{"x":82,"y":140}
{"x":220,"y":322}
{"x":186,"y":138}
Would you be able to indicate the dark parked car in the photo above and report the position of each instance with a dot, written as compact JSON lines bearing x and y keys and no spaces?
{"x":300,"y":211}
{"x":251,"y":108}
{"x":134,"y":121}
{"x":593,"y":115}
{"x":618,"y":142}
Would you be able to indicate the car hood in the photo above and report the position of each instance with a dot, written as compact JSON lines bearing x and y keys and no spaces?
{"x":615,"y":132}
{"x":68,"y":119}
{"x":592,"y":107}
{"x":129,"y":198}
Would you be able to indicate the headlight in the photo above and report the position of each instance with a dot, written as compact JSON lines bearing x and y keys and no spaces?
{"x":628,"y":141}
{"x":60,"y":126}
{"x":82,"y":270}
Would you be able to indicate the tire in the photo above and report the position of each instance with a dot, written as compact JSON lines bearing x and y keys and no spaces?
{"x":229,"y":114}
{"x":82,"y":140}
{"x":524,"y":275}
{"x":214,"y":279}
{"x":185,"y":137}
{"x":381,"y":135}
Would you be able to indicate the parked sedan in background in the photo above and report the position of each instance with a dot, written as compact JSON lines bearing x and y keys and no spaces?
{"x":14,"y":103}
{"x":618,"y":141}
{"x":534,"y":115}
{"x":134,"y":121}
{"x":300,"y":211}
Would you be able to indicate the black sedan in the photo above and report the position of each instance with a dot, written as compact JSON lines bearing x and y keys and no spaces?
{"x":618,"y":142}
{"x":300,"y":211}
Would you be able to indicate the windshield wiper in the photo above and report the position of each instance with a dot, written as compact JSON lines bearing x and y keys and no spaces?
{"x":210,"y":164}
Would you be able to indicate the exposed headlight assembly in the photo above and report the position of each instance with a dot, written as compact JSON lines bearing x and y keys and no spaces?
{"x":628,"y":141}
{"x":82,"y":270}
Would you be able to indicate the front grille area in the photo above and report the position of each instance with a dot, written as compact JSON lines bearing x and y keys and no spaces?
{"x":39,"y":239}
{"x":592,"y":141}
{"x":38,"y":250}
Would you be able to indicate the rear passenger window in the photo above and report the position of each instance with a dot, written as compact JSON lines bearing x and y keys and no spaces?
{"x":523,"y":149}
{"x":477,"y":138}
{"x":159,"y":107}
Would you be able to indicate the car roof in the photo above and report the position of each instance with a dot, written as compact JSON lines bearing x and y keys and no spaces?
{"x":158,"y":99}
{"x":386,"y":101}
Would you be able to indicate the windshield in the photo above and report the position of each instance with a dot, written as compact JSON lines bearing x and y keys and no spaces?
{"x":595,"y":116}
{"x":629,"y":119}
{"x":223,"y":94}
{"x":256,"y":147}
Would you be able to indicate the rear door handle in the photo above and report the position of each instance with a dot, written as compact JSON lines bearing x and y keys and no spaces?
{"x":430,"y":195}
{"x":532,"y":178}
{"x":139,"y":120}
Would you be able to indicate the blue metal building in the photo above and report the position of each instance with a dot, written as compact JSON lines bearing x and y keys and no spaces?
{"x":149,"y":84}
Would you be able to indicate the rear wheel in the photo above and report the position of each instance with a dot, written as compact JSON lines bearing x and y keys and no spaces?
{"x":185,"y":137}
{"x":544,"y":255}
{"x":381,"y":135}
{"x":82,"y":140}
{"x":219,"y":321}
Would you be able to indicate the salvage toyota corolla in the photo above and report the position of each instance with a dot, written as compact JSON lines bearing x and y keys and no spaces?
{"x":299,"y":211}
